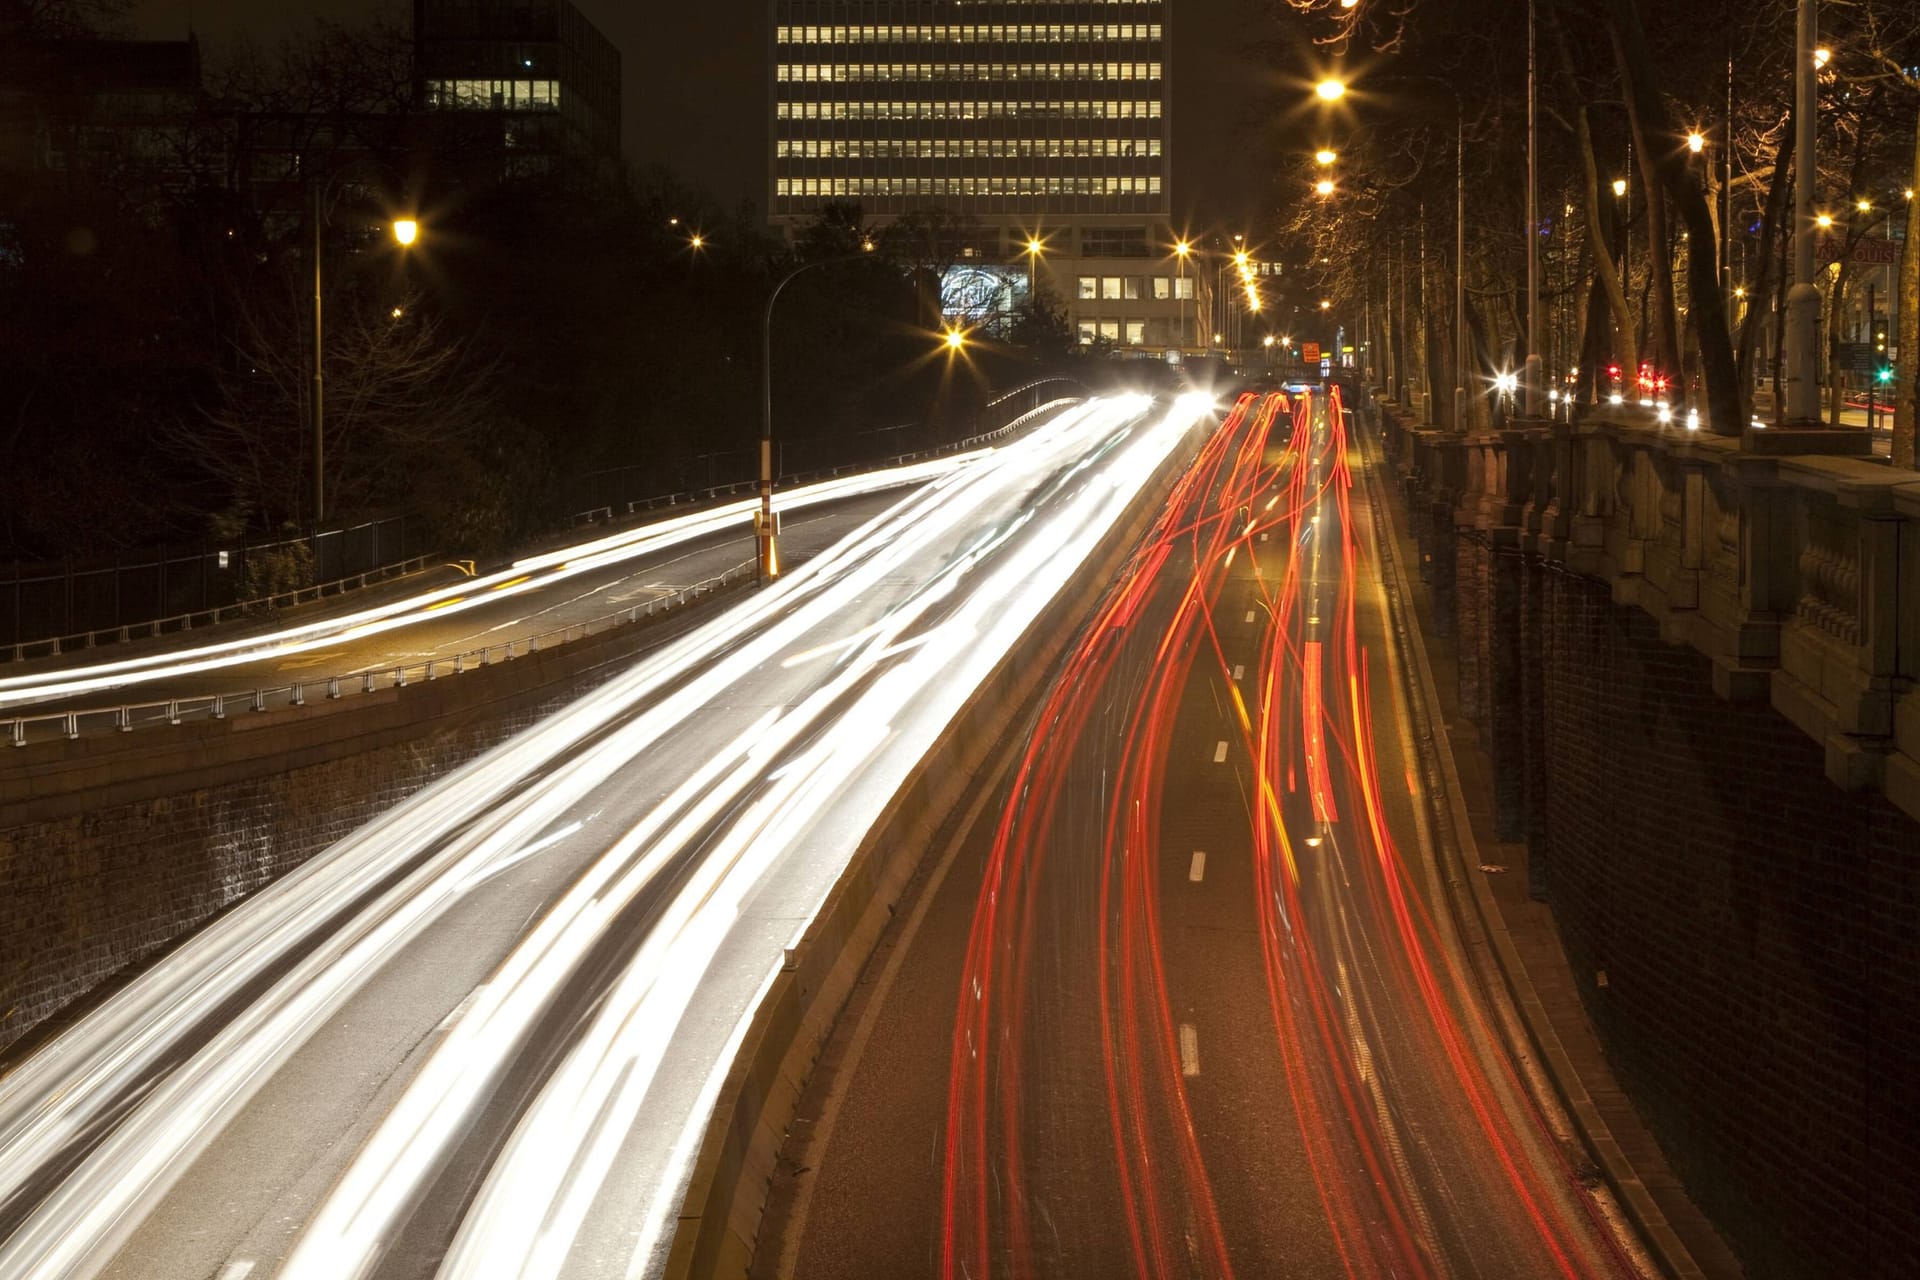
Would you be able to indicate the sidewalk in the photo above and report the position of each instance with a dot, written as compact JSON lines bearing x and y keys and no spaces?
{"x":1684,"y":1242}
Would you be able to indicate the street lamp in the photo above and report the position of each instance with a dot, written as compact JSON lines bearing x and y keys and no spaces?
{"x":1181,"y":251}
{"x":1325,"y":156}
{"x":1803,"y":299}
{"x":1035,"y":246}
{"x":764,"y":527}
{"x":1696,"y":142}
{"x":956,"y":340}
{"x":1323,"y":187}
{"x":405,"y":232}
{"x":1330,"y":90}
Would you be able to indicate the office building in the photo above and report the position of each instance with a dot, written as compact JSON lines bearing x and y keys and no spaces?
{"x":1038,"y":121}
{"x":529,"y":80}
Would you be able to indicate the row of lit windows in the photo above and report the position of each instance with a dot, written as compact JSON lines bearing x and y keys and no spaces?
{"x":1125,"y":109}
{"x":495,"y":95}
{"x":995,"y":33}
{"x":1134,"y":288}
{"x":963,"y":148}
{"x":869,"y":72}
{"x":1133,"y":332}
{"x":996,"y":185}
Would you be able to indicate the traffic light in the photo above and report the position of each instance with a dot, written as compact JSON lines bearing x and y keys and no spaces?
{"x":1883,"y":374}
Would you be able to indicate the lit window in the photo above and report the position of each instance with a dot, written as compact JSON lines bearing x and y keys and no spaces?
{"x":1136,"y":333}
{"x":1162,"y":288}
{"x":1110,"y":288}
{"x":1089,"y":287}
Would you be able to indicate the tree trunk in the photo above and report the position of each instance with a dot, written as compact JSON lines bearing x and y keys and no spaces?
{"x":1761,"y":288}
{"x":1725,"y":403}
{"x":1836,"y":316}
{"x":1906,"y":393}
{"x":1626,"y":344}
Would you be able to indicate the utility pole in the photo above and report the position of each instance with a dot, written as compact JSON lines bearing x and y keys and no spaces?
{"x":319,"y":429}
{"x":1534,"y":379}
{"x":1459,"y":268}
{"x":1803,"y":300}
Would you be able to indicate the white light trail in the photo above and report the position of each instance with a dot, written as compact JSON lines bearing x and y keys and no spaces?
{"x":330,"y":927}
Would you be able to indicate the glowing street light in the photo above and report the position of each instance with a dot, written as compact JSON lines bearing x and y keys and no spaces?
{"x":956,"y":340}
{"x":1330,"y":90}
{"x":1822,"y":56}
{"x":697,"y":243}
{"x":1824,"y":221}
{"x":1696,"y":142}
{"x":1619,"y":186}
{"x":406,"y":230}
{"x":1035,"y":247}
{"x":1864,"y":206}
{"x":1325,"y":156}
{"x":1326,"y":304}
{"x":1324,"y":187}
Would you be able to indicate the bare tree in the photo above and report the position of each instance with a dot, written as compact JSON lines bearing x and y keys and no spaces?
{"x":398,"y":394}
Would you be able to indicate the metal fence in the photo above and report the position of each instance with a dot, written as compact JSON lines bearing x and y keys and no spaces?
{"x":51,"y":607}
{"x":22,"y":730}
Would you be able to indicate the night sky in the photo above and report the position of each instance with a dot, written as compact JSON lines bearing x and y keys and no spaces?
{"x":694,"y":77}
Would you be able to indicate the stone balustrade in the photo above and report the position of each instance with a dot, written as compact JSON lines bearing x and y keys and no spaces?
{"x":1798,"y":577}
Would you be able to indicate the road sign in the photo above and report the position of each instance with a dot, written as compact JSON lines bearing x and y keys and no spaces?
{"x":1310,"y":353}
{"x":1868,"y":251}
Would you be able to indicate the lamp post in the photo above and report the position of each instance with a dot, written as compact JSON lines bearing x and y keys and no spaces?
{"x":1803,"y":300}
{"x":405,"y":232}
{"x":1534,"y":398}
{"x":1181,"y":252}
{"x":763,"y":525}
{"x":1034,"y":247}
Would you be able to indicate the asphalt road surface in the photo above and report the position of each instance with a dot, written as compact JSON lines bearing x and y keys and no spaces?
{"x":482,"y":1035}
{"x":1183,"y":996}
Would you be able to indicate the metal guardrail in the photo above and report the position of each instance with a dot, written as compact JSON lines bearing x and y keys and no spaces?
{"x":129,"y":716}
{"x":142,"y":715}
{"x":639,"y":506}
{"x":54,"y":646}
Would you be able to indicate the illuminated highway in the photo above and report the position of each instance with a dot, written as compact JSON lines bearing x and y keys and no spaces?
{"x":1186,"y":997}
{"x":584,"y":581}
{"x":481,"y":1035}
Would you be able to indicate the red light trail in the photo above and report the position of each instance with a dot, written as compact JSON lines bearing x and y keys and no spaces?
{"x":1413,"y":1127}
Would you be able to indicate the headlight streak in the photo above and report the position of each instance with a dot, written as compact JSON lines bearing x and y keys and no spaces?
{"x":48,"y":1101}
{"x":941,"y":666}
{"x":1344,"y":1075}
{"x":522,"y":576}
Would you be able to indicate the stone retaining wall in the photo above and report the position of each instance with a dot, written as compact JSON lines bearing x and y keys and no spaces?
{"x":111,"y":848}
{"x":1686,"y":665}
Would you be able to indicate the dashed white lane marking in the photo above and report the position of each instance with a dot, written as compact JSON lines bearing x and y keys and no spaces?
{"x":1199,"y":867}
{"x":1249,"y":615}
{"x":238,"y":1269}
{"x":1189,"y":1050}
{"x":1220,"y":753}
{"x":1239,"y":671}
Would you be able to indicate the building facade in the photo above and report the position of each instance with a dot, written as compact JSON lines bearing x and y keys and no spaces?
{"x":1039,"y":122}
{"x":531,"y":79}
